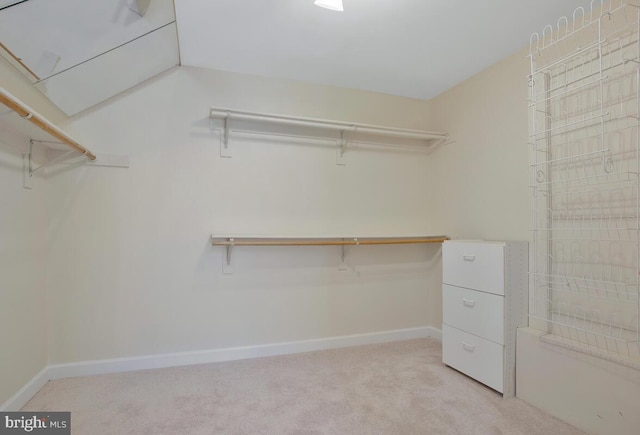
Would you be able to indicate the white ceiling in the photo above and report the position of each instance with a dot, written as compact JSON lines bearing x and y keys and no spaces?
{"x":412,"y":48}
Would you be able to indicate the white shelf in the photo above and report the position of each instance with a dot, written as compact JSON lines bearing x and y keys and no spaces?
{"x":347,"y":130}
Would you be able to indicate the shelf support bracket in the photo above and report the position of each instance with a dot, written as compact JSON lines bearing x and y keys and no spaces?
{"x":226,"y":259}
{"x":342,"y":265}
{"x":27,"y":180}
{"x":28,"y":168}
{"x":341,"y":158}
{"x":224,"y":137}
{"x":66,"y":157}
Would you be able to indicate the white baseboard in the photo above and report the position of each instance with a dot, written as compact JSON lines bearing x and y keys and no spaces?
{"x":88,"y":368}
{"x":25,"y":393}
{"x":100,"y":367}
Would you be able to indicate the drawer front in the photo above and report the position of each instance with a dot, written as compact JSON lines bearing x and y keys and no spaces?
{"x":473,"y":311}
{"x":478,"y":266}
{"x":479,"y":358}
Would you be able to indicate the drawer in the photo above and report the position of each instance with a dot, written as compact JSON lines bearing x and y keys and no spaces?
{"x":474,"y":265}
{"x":473,"y":311}
{"x":479,"y":358}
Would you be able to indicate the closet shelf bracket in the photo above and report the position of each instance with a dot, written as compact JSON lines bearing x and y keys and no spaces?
{"x":226,"y":260}
{"x":341,"y":158}
{"x":28,"y":165}
{"x":70,"y":157}
{"x":224,"y":137}
{"x":343,"y":258}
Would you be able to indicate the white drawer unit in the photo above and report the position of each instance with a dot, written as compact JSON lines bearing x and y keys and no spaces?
{"x":484,"y":298}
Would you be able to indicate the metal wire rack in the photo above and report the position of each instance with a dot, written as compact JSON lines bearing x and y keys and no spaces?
{"x":584,"y":136}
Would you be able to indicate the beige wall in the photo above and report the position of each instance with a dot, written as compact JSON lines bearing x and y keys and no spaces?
{"x":23,"y":234}
{"x":23,"y":319}
{"x":131,"y":271}
{"x":478,"y":183}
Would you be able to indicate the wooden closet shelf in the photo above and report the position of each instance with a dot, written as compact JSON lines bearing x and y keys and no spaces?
{"x":322,"y":241}
{"x":230,"y":242}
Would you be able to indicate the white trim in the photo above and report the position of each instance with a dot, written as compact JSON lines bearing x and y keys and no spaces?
{"x":99,"y":367}
{"x":18,"y":400}
{"x":88,"y":368}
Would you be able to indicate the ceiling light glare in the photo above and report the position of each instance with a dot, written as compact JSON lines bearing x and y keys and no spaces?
{"x":334,"y":5}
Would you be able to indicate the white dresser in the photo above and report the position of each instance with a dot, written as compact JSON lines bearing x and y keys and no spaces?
{"x":484,"y":300}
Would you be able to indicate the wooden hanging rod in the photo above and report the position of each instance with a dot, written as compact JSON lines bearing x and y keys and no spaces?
{"x":324,"y":241}
{"x":39,"y":121}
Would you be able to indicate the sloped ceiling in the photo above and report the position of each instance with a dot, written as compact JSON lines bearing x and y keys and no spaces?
{"x":411,"y":48}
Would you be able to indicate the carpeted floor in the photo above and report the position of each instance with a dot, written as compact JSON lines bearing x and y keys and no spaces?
{"x":394,"y":388}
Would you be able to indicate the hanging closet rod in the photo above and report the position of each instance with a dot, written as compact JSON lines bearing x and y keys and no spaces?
{"x":321,"y":241}
{"x":39,"y":121}
{"x":228,"y":114}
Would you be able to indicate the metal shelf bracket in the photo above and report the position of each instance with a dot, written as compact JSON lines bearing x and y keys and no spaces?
{"x":64,"y":157}
{"x":343,"y":142}
{"x":29,"y":170}
{"x":226,"y":260}
{"x":224,"y":137}
{"x":342,"y":265}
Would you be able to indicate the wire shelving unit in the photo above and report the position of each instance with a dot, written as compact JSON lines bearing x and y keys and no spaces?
{"x":584,"y":107}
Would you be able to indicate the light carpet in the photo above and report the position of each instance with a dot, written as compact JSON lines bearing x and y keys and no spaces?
{"x":392,"y":388}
